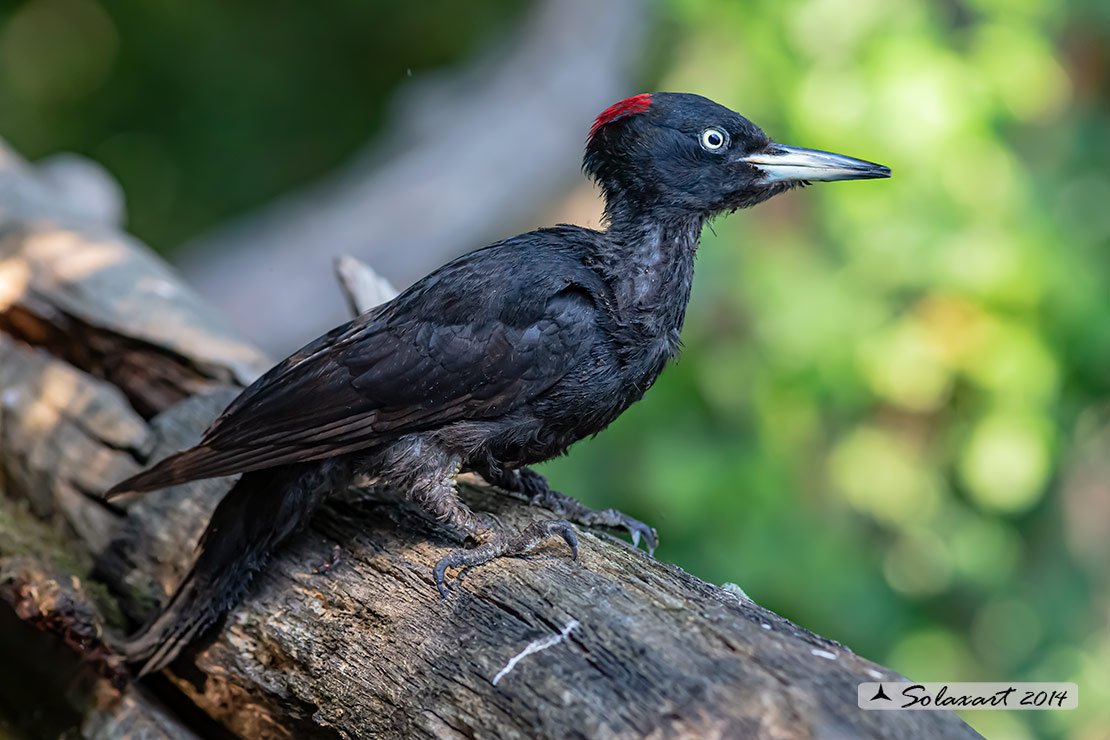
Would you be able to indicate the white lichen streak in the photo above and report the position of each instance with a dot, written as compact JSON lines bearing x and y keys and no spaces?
{"x":823,"y":654}
{"x":534,"y":647}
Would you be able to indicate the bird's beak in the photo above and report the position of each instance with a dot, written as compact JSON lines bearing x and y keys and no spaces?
{"x":780,"y":162}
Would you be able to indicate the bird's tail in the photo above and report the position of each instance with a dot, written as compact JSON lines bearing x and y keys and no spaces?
{"x":256,"y":516}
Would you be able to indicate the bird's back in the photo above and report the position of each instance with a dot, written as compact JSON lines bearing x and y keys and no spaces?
{"x":472,"y":340}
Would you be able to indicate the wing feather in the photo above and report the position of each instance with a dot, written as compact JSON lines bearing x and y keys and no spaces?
{"x":419,"y":362}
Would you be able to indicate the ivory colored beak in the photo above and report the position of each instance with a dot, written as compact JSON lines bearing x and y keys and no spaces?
{"x":780,"y":162}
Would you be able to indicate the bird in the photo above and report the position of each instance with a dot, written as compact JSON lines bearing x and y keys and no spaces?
{"x":498,"y":360}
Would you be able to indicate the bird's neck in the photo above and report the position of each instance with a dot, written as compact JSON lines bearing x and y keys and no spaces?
{"x":648,"y":262}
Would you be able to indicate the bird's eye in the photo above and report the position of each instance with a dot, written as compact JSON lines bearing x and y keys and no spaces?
{"x":712,"y":139}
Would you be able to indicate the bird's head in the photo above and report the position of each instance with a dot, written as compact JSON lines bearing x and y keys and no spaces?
{"x":680,"y":154}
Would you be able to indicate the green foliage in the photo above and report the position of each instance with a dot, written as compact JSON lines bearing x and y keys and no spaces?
{"x":874,"y":427}
{"x":203,"y":109}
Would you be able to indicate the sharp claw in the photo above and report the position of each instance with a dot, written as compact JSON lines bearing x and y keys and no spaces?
{"x":440,"y":577}
{"x":570,"y":538}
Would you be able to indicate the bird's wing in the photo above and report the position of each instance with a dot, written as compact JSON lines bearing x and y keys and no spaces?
{"x":444,"y":351}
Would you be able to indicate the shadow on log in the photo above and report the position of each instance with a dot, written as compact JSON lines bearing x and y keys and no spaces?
{"x":107,"y":363}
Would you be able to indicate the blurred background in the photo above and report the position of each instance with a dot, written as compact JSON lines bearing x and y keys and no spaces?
{"x":891,"y":422}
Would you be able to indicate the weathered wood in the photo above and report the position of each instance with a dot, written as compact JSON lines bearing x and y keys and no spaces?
{"x":344,"y":634}
{"x":361,"y":286}
{"x":58,"y":685}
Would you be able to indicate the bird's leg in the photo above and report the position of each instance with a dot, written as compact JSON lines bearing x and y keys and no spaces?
{"x":436,"y":492}
{"x":534,"y":486}
{"x":428,"y":473}
{"x":442,"y":501}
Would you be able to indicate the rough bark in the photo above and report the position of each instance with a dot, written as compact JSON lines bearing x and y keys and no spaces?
{"x":107,"y":362}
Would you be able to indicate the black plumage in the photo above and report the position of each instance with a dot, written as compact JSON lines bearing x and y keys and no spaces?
{"x":500,"y":359}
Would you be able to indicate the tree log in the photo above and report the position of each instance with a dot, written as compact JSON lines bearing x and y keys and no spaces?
{"x":107,"y":363}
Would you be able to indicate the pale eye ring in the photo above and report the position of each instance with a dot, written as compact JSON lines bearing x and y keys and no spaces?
{"x":713,"y":139}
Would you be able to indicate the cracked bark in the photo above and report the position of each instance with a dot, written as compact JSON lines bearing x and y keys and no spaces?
{"x":107,"y":362}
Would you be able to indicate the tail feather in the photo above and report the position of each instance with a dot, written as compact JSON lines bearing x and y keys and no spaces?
{"x":258,"y":514}
{"x":179,"y":623}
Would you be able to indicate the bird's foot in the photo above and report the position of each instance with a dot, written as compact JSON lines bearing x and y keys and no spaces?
{"x":569,"y":508}
{"x":534,"y":486}
{"x":501,"y":545}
